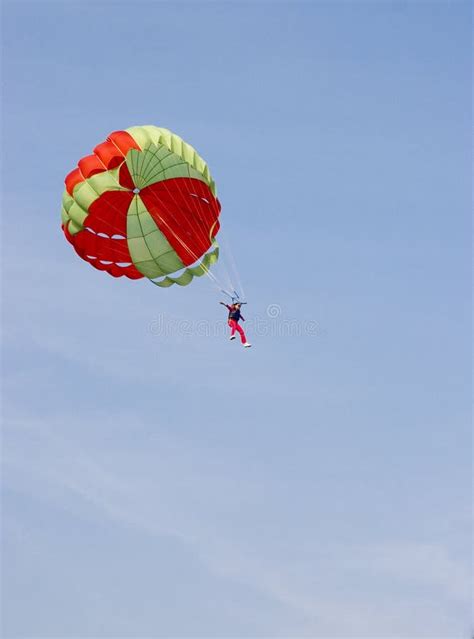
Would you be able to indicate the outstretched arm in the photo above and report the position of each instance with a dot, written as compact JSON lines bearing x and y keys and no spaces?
{"x":226,"y":305}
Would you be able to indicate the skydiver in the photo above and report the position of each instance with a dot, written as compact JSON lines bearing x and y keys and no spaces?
{"x":233,"y":322}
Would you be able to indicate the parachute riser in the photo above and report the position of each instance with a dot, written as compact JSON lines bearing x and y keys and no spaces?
{"x":234,"y":297}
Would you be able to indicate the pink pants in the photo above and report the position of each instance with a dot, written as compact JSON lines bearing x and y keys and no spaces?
{"x":234,"y":326}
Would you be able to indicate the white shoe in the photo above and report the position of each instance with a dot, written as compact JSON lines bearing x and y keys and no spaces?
{"x":232,"y":337}
{"x":247,"y":345}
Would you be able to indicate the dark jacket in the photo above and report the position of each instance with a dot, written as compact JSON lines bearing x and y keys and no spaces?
{"x":234,"y":313}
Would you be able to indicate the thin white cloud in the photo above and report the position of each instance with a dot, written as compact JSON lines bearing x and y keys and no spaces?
{"x":184,"y":492}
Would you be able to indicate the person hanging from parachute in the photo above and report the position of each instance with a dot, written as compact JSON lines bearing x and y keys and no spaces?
{"x":233,"y":321}
{"x":144,"y":205}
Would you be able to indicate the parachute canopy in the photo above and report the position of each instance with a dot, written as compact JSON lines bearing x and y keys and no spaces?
{"x":143,"y":205}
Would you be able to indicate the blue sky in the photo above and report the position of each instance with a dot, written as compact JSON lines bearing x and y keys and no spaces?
{"x":168,"y":483}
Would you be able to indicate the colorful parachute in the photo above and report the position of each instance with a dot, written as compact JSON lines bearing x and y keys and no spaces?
{"x":143,"y":205}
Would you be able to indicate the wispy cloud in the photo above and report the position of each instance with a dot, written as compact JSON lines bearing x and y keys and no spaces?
{"x":390,"y":588}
